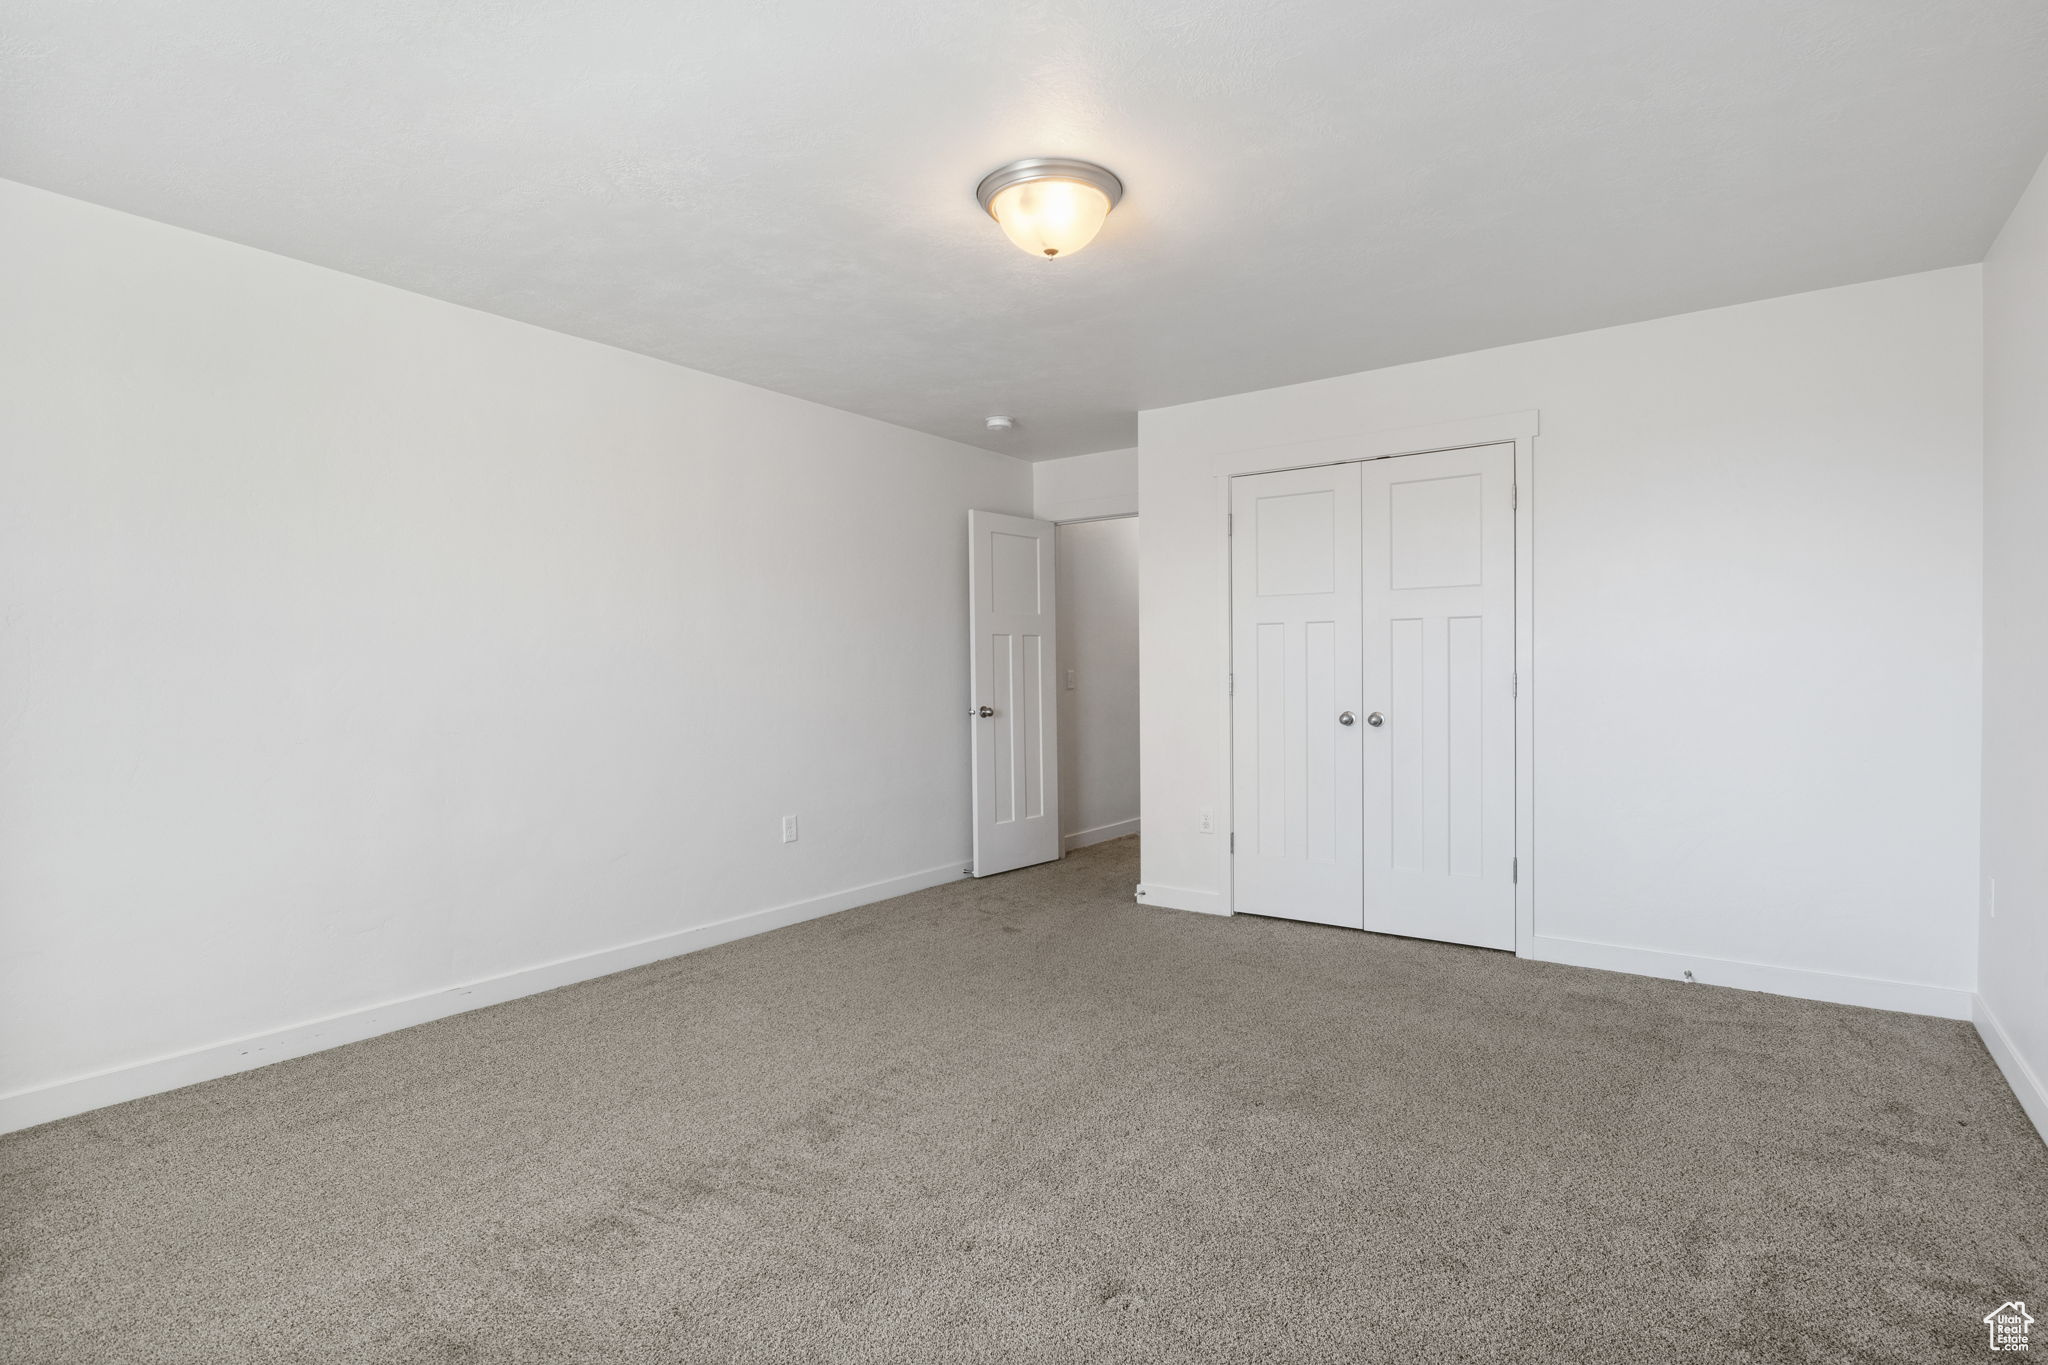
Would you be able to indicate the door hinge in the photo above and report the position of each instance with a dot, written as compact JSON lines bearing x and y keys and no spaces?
{"x":1516,"y":874}
{"x":1233,"y":684}
{"x":1514,"y":496}
{"x":1230,"y":523}
{"x":1233,"y":841}
{"x":1514,"y":684}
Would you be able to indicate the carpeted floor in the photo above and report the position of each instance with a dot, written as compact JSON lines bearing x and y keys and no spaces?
{"x":1025,"y":1120}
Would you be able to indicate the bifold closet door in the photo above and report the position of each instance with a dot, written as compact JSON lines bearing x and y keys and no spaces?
{"x":1295,"y":722}
{"x":1439,"y":759}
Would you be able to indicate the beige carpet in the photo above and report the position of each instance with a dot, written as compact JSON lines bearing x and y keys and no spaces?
{"x":1026,"y":1120}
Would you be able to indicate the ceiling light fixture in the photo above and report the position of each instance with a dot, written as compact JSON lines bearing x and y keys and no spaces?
{"x":1050,"y":205}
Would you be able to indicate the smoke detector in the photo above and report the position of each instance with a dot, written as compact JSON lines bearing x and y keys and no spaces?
{"x":1001,"y":423}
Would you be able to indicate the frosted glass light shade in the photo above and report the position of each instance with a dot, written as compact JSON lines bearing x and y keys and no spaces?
{"x":1050,"y":217}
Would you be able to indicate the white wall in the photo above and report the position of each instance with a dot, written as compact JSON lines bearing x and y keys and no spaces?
{"x":2014,"y":963}
{"x":1097,"y":575}
{"x":359,"y":645}
{"x":1100,"y":485}
{"x":1757,"y":565}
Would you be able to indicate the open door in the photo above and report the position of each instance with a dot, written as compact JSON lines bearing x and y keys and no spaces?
{"x":1016,"y":740}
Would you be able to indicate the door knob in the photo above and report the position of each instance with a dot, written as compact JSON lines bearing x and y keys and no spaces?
{"x":1347,"y":719}
{"x":983,"y":711}
{"x":1375,"y":720}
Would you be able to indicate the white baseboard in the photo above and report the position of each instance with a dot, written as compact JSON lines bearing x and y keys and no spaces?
{"x":1907,"y":997}
{"x":1101,"y":834}
{"x":59,"y":1099}
{"x":1182,"y":898}
{"x":2033,"y":1095}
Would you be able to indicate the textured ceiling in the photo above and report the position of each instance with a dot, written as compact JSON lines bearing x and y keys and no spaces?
{"x":782,"y":193}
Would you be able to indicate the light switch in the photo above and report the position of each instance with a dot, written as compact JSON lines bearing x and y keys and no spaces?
{"x":1070,"y":680}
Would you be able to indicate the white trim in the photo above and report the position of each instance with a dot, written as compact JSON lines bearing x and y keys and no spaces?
{"x":1226,"y":842}
{"x":40,"y":1104}
{"x":1183,"y":898}
{"x":1909,"y":997}
{"x":1065,"y":510}
{"x":1525,"y":689}
{"x":1101,"y":834}
{"x":1378,"y":445}
{"x":2032,"y":1095}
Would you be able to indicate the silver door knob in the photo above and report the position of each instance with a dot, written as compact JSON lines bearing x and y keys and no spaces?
{"x":1347,"y":719}
{"x":983,"y":711}
{"x":1375,"y":720}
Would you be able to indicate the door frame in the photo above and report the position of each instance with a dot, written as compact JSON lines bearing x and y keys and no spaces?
{"x":1518,"y":429}
{"x":1083,"y":520}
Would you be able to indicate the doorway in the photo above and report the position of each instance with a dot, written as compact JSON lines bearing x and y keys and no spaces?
{"x":1053,"y":620}
{"x":1097,"y":577}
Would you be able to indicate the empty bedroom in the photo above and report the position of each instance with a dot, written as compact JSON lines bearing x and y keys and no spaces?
{"x":1299,"y":682}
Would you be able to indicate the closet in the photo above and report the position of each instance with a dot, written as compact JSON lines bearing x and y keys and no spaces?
{"x":1372,"y":695}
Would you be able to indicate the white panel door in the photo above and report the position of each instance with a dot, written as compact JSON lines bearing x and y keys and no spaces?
{"x":1294,"y":569}
{"x":1439,"y":665}
{"x":1016,"y":747}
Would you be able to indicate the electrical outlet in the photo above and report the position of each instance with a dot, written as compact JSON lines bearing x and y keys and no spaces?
{"x":1071,"y":683}
{"x":789,"y":829}
{"x":1208,"y":823}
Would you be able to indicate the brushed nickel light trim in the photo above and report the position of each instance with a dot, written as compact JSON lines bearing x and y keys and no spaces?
{"x":1047,"y":168}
